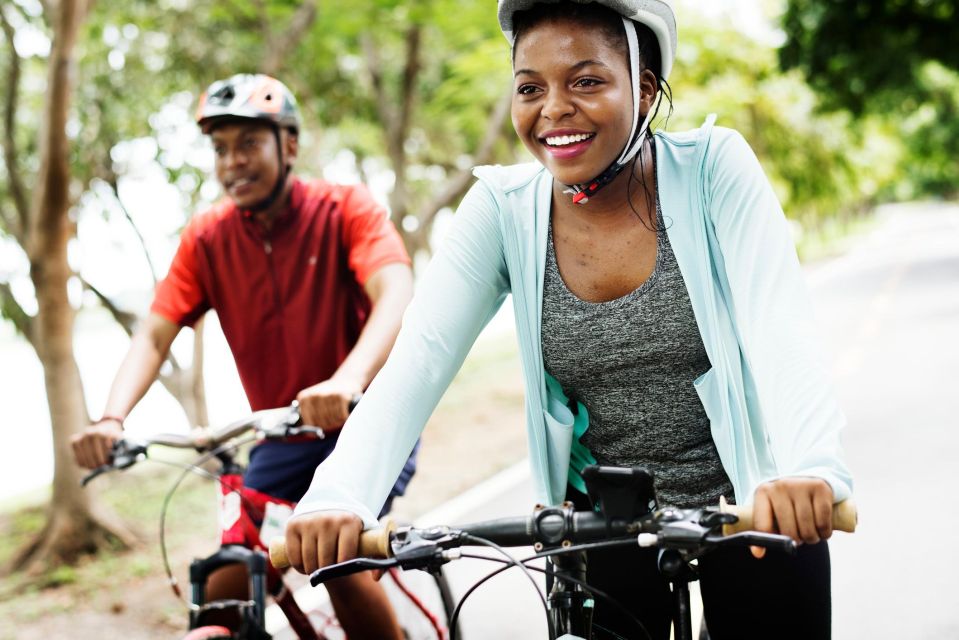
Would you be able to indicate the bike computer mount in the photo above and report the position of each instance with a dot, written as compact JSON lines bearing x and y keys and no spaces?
{"x":620,"y":494}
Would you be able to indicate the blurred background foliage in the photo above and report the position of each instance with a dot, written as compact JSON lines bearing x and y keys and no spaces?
{"x":846,"y":104}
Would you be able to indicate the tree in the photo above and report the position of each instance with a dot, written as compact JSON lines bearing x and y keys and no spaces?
{"x":118,"y":67}
{"x":856,"y":51}
{"x":43,"y":227}
{"x":897,"y":59}
{"x":823,"y":166}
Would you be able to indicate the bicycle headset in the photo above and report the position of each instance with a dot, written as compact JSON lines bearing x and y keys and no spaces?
{"x":257,"y":97}
{"x":655,"y":14}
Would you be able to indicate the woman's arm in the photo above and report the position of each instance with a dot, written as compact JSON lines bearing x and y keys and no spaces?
{"x":773,"y":315}
{"x":459,"y":292}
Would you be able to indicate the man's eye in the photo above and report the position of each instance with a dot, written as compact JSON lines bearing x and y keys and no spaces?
{"x":526,"y":89}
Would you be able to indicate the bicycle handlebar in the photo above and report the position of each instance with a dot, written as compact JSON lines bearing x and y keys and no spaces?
{"x":271,"y":424}
{"x":278,"y":423}
{"x":690,"y":530}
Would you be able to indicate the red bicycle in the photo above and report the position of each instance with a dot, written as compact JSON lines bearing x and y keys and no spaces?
{"x":249,"y":519}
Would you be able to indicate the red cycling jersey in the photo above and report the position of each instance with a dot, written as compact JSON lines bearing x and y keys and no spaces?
{"x":290,"y":301}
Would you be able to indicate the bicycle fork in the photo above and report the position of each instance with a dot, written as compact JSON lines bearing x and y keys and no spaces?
{"x":253,"y":617}
{"x":570,"y":607}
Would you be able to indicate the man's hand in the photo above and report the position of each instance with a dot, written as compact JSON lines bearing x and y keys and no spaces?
{"x":327,"y":405}
{"x":322,"y":538}
{"x":800,"y":508}
{"x":94,"y":447}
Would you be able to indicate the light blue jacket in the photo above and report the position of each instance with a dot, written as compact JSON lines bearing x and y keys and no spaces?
{"x":770,"y":404}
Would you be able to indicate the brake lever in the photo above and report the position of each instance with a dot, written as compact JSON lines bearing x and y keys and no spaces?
{"x":757,"y":539}
{"x":350,"y":567}
{"x":125,"y":454}
{"x":94,"y":473}
{"x":292,"y":424}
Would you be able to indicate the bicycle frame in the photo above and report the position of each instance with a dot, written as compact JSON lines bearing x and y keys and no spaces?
{"x":240,"y":509}
{"x":242,"y":538}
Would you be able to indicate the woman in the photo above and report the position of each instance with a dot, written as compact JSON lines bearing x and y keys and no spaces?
{"x":662,"y":321}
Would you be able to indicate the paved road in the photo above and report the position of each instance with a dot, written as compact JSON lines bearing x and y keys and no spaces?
{"x":890,"y":310}
{"x":889,"y":314}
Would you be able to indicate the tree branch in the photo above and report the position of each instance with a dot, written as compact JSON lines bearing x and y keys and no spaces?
{"x":11,"y":309}
{"x":51,"y":198}
{"x":408,"y":86}
{"x":299,"y":24}
{"x":125,"y":319}
{"x":114,"y":188}
{"x":10,"y":150}
{"x":456,"y":185}
{"x":264,"y":19}
{"x":374,"y":67}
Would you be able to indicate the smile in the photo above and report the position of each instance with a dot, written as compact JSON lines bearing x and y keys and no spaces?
{"x":562,"y":141}
{"x":241,"y":182}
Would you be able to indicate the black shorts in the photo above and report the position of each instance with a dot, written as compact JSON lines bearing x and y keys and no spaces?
{"x":285,"y":469}
{"x":779,"y":596}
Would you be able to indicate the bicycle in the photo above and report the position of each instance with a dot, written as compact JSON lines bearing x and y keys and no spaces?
{"x":248,"y":517}
{"x":627,"y":515}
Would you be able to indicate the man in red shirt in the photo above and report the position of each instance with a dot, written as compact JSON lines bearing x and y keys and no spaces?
{"x":309,"y":281}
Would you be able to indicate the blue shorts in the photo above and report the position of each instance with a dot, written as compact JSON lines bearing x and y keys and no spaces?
{"x":285,"y":469}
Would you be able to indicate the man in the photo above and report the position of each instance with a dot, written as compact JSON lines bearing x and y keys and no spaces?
{"x":309,"y":281}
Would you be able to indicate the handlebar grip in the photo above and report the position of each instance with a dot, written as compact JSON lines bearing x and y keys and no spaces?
{"x":844,"y":516}
{"x":278,"y":556}
{"x":373,"y":543}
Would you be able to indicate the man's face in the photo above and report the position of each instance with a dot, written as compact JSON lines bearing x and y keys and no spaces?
{"x":247,"y":162}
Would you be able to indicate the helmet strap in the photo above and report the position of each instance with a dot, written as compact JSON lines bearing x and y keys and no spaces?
{"x":582,"y":192}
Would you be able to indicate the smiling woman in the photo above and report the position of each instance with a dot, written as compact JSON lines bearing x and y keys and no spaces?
{"x":557,"y":73}
{"x":662,"y":318}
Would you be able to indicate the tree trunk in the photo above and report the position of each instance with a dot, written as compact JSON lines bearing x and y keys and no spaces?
{"x":187,"y":384}
{"x":75,"y":524}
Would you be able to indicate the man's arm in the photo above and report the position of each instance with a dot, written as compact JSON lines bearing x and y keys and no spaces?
{"x":148,"y":349}
{"x":326,"y":404}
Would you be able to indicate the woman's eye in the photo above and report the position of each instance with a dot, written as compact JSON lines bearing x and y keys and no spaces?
{"x":587,"y":82}
{"x":526,"y":89}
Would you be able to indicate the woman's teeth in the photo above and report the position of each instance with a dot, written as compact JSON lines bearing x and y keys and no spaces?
{"x":559,"y":141}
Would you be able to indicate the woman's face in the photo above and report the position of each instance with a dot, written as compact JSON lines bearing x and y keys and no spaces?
{"x":572,"y":104}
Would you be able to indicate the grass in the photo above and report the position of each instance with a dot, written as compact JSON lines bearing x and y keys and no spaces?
{"x":137,"y":494}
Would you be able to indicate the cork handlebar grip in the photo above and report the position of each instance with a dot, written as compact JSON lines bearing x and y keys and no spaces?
{"x":374,"y":543}
{"x":844,"y":516}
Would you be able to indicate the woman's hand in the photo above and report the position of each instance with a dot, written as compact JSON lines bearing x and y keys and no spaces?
{"x":322,"y":538}
{"x":800,"y":508}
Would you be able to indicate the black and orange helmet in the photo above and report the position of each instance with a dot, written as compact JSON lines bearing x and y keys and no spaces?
{"x":250,"y":96}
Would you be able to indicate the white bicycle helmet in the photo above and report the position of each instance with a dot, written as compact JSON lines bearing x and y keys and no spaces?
{"x":655,"y":14}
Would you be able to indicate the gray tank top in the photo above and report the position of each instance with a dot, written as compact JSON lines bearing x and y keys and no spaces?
{"x":632,"y":362}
